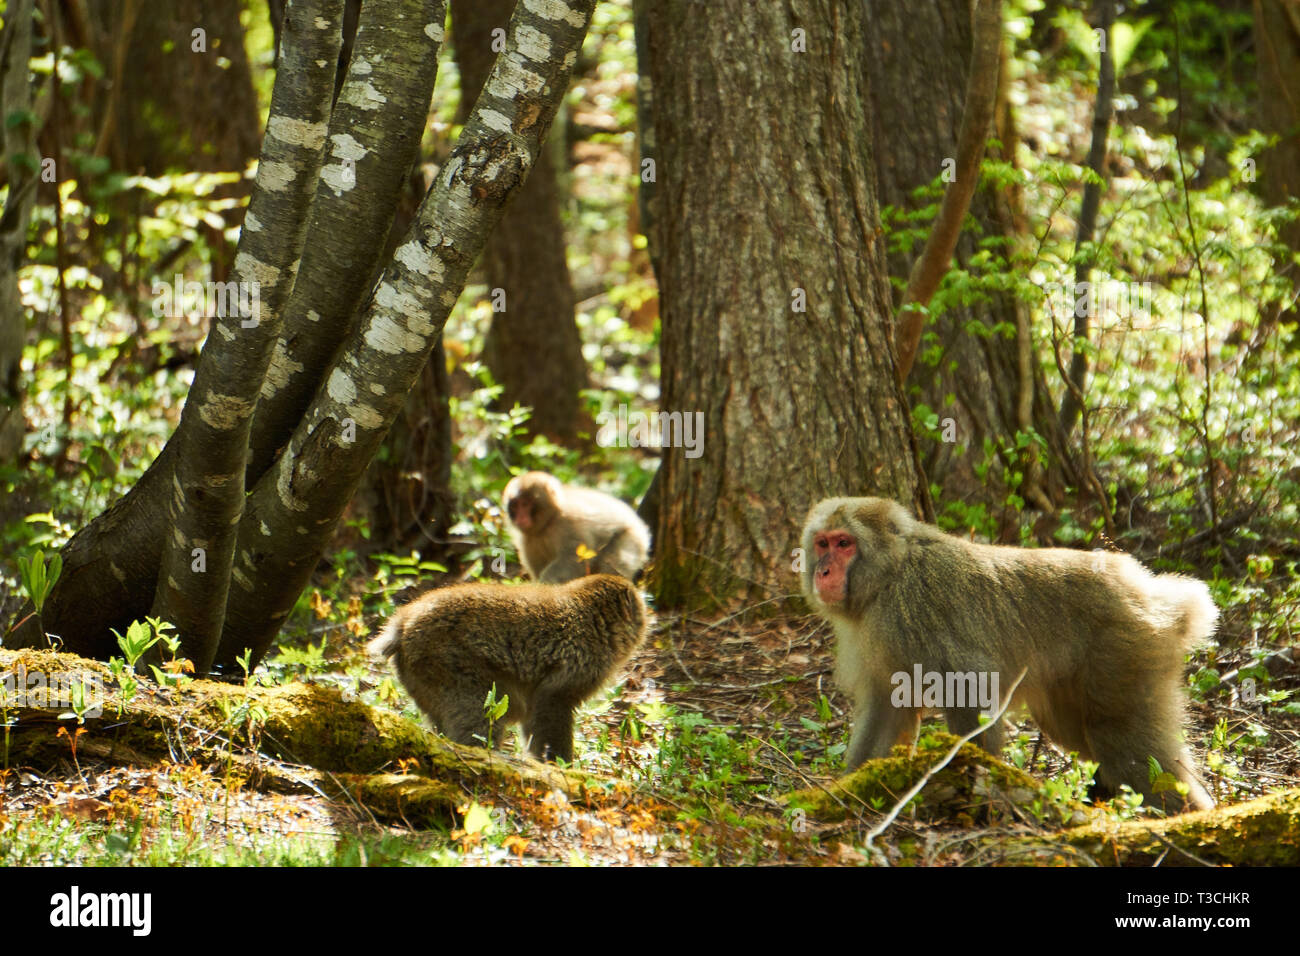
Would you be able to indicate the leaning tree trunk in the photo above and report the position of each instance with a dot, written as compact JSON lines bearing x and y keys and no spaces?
{"x":22,"y":168}
{"x":777,"y":328}
{"x":372,"y":357}
{"x":533,"y":349}
{"x":406,"y":494}
{"x":984,"y":375}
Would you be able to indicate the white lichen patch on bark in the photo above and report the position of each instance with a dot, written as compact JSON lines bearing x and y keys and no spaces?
{"x":434,"y":31}
{"x":240,"y":578}
{"x":389,"y":338}
{"x":554,"y":10}
{"x":335,"y":178}
{"x":281,"y":369}
{"x":265,"y":528}
{"x":362,"y":95}
{"x":274,"y":177}
{"x":224,"y":330}
{"x":497,"y":122}
{"x":361,"y":67}
{"x":224,"y":412}
{"x":313,"y":315}
{"x":533,"y":44}
{"x":420,"y":259}
{"x":320,"y":23}
{"x":252,"y":223}
{"x":512,"y":77}
{"x":346,"y":146}
{"x":365,"y":416}
{"x":342,"y":176}
{"x":403,"y":303}
{"x":296,"y":132}
{"x":343,"y":391}
{"x":378,"y":389}
{"x":251,"y":269}
{"x":340,"y":387}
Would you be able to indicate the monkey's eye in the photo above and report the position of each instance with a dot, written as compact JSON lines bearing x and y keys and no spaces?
{"x":844,"y":543}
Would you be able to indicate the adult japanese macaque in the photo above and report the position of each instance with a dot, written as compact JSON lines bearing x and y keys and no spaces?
{"x":563,"y":532}
{"x":1100,"y":638}
{"x":546,"y":649}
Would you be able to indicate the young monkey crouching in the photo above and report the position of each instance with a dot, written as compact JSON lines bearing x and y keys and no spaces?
{"x":563,"y":532}
{"x":548,"y":648}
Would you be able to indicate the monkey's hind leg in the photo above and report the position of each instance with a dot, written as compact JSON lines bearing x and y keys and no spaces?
{"x":1123,"y":751}
{"x":548,"y":728}
{"x":462,"y":718}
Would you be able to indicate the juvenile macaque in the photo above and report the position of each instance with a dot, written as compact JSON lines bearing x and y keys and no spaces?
{"x":563,"y":532}
{"x":1101,"y":637}
{"x":547,"y":648}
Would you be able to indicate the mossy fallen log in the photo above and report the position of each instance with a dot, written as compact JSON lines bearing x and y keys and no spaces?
{"x":1260,"y":832}
{"x":968,"y":790}
{"x":311,"y":725}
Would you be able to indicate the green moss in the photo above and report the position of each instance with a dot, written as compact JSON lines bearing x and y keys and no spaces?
{"x":970,"y":782}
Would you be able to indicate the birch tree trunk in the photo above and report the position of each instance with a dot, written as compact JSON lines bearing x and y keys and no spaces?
{"x":23,"y":165}
{"x":363,"y":359}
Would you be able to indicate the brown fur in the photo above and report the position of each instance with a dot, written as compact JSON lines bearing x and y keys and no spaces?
{"x":548,"y":648}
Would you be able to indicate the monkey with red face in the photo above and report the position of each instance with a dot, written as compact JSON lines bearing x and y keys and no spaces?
{"x":1101,"y":639}
{"x":563,"y":532}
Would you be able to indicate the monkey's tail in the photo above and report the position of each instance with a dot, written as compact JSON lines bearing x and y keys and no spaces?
{"x":1191,"y":610}
{"x":386,"y":644}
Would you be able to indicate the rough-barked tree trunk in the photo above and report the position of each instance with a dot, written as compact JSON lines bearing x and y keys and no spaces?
{"x":986,"y":377}
{"x":1277,"y":55}
{"x":22,"y":168}
{"x":767,"y":204}
{"x":177,"y":91}
{"x":533,"y":348}
{"x":293,"y":505}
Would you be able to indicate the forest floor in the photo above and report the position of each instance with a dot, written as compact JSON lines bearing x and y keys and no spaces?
{"x":714,"y":722}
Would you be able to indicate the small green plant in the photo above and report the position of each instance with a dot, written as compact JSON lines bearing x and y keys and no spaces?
{"x":1060,"y":794}
{"x":77,"y":694}
{"x":127,"y":685}
{"x":494,"y":710}
{"x":244,"y":661}
{"x":172,"y":673}
{"x":38,"y":578}
{"x":140,"y":637}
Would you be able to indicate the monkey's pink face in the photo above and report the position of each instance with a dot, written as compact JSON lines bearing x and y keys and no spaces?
{"x":834,"y":550}
{"x":520,"y":510}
